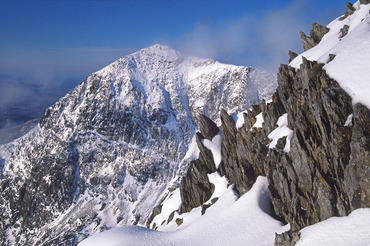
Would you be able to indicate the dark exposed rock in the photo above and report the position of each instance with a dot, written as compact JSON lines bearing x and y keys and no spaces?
{"x":179,"y":221}
{"x":170,"y":217}
{"x":195,"y":188}
{"x":356,"y":183}
{"x":308,"y":42}
{"x":156,"y":210}
{"x":321,"y":177}
{"x":292,"y":55}
{"x":214,"y":200}
{"x":349,"y":11}
{"x":344,"y":31}
{"x":119,"y":219}
{"x":331,"y":57}
{"x":364,"y":1}
{"x":318,"y":31}
{"x":237,"y":159}
{"x":325,"y":173}
{"x":287,"y":239}
{"x":207,"y":127}
{"x":316,"y":34}
{"x":205,"y":207}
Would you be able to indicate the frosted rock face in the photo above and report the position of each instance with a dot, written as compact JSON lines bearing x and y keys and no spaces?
{"x":104,"y":154}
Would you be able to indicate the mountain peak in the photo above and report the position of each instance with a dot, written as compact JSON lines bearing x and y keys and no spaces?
{"x":159,"y":46}
{"x":160,"y":50}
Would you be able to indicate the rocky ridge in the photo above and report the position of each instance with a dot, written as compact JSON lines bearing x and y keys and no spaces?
{"x":319,"y":171}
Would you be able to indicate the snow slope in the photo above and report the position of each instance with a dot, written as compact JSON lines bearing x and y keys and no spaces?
{"x":339,"y":231}
{"x":351,"y":66}
{"x":227,"y":222}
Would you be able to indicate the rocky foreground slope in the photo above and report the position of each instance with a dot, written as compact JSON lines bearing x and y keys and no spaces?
{"x":103,"y":155}
{"x":312,"y":141}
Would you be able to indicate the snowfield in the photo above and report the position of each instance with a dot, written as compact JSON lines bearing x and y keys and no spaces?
{"x":350,"y":230}
{"x":230,"y":221}
{"x":234,"y":222}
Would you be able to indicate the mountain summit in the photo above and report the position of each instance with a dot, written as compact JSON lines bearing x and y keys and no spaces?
{"x":103,"y":155}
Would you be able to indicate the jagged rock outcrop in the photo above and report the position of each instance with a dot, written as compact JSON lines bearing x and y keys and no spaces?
{"x":350,"y":9}
{"x":319,"y":167}
{"x":308,"y":42}
{"x":292,"y":55}
{"x":313,"y":172}
{"x":326,"y":172}
{"x":235,"y":164}
{"x":195,"y":188}
{"x":317,"y":32}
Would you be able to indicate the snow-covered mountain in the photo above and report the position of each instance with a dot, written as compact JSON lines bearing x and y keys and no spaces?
{"x":104,"y":154}
{"x":311,"y":141}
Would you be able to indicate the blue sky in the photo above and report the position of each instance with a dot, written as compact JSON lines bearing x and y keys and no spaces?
{"x":59,"y":43}
{"x":70,"y":37}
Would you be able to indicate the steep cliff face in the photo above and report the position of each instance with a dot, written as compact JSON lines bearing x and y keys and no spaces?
{"x":325,"y":171}
{"x":312,"y":141}
{"x":324,"y":174}
{"x":103,"y":155}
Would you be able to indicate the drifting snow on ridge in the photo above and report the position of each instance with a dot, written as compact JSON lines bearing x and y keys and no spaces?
{"x":230,"y":221}
{"x":350,"y":66}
